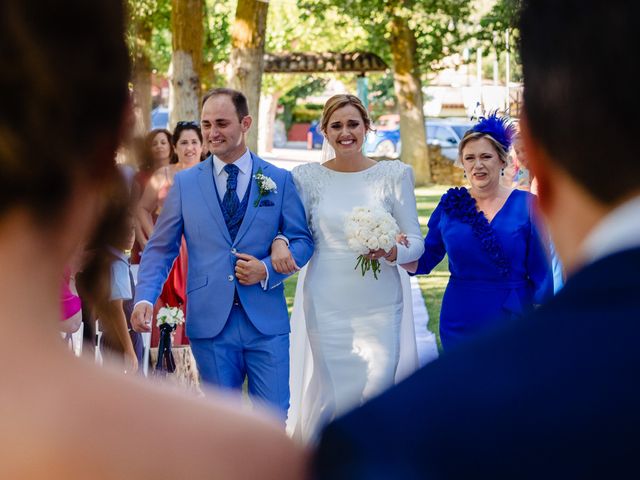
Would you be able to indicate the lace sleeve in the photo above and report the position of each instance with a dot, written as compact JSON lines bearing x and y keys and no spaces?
{"x":300,"y":176}
{"x":310,"y":179}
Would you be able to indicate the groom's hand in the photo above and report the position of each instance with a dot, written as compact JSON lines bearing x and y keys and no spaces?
{"x":249,"y":270}
{"x":141,"y":317}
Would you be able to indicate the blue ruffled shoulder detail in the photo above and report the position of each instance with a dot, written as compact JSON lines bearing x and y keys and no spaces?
{"x":459,"y":204}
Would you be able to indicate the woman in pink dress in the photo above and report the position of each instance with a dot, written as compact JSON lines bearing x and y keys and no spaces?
{"x":156,"y":151}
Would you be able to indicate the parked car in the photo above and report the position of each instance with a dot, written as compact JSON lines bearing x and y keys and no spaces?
{"x":388,"y":122}
{"x":445,"y":132}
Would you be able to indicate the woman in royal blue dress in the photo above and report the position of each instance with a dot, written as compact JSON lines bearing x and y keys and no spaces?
{"x":499,"y":265}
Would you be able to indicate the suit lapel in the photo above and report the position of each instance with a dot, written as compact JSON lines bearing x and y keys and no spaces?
{"x":210,"y":193}
{"x":251,"y":212}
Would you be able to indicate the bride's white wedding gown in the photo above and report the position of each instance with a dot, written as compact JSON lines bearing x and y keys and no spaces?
{"x":359,"y":329}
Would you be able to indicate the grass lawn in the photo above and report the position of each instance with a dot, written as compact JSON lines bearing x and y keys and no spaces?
{"x":432,"y":285}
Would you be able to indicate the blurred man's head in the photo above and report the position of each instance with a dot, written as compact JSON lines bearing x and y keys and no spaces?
{"x":581,"y":108}
{"x":580,"y":111}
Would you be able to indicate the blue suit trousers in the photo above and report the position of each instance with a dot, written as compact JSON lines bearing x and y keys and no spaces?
{"x":240,"y":351}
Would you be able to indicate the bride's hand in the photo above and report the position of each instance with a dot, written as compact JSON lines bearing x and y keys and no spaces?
{"x":281,"y":258}
{"x":402,"y":239}
{"x":390,"y":256}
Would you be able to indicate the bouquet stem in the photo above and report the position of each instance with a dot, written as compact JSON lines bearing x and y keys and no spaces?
{"x":166,"y":362}
{"x":366,"y":264}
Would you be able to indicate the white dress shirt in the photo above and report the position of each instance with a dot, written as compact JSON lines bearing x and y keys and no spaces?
{"x":244,"y":164}
{"x":619,"y":230}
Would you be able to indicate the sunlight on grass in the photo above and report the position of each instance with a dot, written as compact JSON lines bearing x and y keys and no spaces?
{"x":432,"y":285}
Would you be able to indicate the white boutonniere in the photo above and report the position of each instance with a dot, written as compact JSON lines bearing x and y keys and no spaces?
{"x":266,"y":185}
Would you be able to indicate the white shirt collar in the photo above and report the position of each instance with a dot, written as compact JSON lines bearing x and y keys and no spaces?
{"x":118,"y":253}
{"x":617,"y":231}
{"x":243,"y":163}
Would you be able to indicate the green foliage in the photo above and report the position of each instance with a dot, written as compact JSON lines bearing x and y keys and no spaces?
{"x":434,"y":23}
{"x":290,"y":28}
{"x":217,"y":43}
{"x":313,"y":106}
{"x":155,"y":15}
{"x":302,"y":114}
{"x":309,"y":85}
{"x":382,"y":97}
{"x":491,"y":34}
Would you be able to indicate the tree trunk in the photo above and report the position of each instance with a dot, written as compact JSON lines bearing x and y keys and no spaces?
{"x":247,"y":57}
{"x":186,"y":63}
{"x":408,"y":88}
{"x":268,"y":109}
{"x":141,"y":76}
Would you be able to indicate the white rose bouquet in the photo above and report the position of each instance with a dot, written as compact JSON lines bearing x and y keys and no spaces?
{"x":170,"y":315}
{"x":369,"y":229}
{"x":168,"y":318}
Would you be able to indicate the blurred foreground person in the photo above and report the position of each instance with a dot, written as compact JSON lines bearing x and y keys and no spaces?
{"x":555,"y":395}
{"x":63,"y":91}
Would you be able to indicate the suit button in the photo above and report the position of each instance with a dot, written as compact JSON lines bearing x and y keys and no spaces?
{"x":230,"y":278}
{"x":234,"y":251}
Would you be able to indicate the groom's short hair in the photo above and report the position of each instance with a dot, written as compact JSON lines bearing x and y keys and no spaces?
{"x":578,"y":57}
{"x":237,"y":98}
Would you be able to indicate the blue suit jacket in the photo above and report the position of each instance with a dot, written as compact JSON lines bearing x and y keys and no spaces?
{"x":192,"y":209}
{"x":554,"y":396}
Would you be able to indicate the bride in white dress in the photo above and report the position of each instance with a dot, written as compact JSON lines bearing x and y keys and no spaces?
{"x":358,"y":328}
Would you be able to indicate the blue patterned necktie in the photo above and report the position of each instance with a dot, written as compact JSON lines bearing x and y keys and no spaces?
{"x":230,"y":201}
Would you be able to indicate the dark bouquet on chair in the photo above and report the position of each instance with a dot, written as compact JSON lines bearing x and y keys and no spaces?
{"x":168,"y":319}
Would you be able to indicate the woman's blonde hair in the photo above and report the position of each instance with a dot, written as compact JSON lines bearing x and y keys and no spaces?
{"x":473,"y":135}
{"x":339,"y":101}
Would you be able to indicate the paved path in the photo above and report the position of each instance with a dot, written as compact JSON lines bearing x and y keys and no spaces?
{"x":425,"y":340}
{"x":290,"y":157}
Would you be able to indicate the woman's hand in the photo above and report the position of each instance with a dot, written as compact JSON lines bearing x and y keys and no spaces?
{"x":130,"y":361}
{"x":390,"y":256}
{"x":410,"y":267}
{"x":402,"y":239}
{"x":281,"y":258}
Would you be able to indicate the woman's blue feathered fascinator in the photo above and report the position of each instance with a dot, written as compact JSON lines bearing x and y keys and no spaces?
{"x":500,"y":128}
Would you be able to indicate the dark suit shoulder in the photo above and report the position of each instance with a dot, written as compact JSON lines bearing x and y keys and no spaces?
{"x":553,"y":395}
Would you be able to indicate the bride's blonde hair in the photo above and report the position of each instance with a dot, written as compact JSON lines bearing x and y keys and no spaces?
{"x":342,"y":100}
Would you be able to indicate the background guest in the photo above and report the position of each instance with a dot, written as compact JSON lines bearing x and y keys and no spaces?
{"x":154,"y":151}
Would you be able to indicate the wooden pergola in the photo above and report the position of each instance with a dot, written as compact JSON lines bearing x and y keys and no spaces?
{"x":328,"y":62}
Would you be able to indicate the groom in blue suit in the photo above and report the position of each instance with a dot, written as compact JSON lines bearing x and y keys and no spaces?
{"x":230,"y":208}
{"x":556,"y":395}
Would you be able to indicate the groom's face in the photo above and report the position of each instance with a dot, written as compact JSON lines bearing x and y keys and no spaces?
{"x":223,"y":132}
